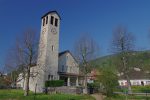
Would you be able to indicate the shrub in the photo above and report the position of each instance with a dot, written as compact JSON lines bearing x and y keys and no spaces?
{"x":54,"y":83}
{"x":143,"y":89}
{"x":109,"y":81}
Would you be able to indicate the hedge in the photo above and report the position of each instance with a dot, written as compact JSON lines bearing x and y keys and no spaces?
{"x":54,"y":83}
{"x":143,"y":89}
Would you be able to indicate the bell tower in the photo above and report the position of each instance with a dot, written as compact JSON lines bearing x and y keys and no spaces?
{"x":47,"y":62}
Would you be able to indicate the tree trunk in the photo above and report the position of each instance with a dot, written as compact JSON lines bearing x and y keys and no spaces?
{"x":85,"y":85}
{"x":127,"y":77}
{"x":26,"y":93}
{"x":129,"y":85}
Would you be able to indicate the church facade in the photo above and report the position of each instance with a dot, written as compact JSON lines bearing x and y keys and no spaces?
{"x":52,"y":65}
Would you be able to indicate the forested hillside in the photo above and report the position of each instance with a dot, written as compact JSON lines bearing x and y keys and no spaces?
{"x":139,"y":59}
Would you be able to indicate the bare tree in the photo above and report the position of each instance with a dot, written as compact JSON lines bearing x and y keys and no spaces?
{"x":11,"y":65}
{"x":27,"y":49}
{"x":24,"y":56}
{"x":85,"y":50}
{"x":123,"y":43}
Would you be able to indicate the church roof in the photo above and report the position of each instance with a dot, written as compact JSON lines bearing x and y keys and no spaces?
{"x":67,"y":51}
{"x":61,"y":53}
{"x":51,"y":12}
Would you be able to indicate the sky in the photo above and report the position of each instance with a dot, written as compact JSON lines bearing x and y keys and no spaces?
{"x":98,"y":18}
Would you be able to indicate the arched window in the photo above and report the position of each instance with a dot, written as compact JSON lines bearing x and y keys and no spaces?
{"x":43,"y":21}
{"x":56,"y":22}
{"x":52,"y":20}
{"x":46,"y":19}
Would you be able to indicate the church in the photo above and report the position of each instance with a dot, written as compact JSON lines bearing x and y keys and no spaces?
{"x":52,"y":65}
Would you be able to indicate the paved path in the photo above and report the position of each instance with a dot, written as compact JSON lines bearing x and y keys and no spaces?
{"x":98,"y":96}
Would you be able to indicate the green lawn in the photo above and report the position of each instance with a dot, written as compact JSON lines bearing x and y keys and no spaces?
{"x":18,"y":95}
{"x":129,"y":97}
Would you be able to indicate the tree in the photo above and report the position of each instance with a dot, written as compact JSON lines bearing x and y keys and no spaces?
{"x":11,"y":65}
{"x":146,"y":58}
{"x":108,"y":80}
{"x":27,"y":49}
{"x":86,"y":49}
{"x":24,"y":55}
{"x":123,"y":43}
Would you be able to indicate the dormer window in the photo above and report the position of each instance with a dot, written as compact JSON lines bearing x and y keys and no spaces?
{"x":46,"y":19}
{"x":43,"y":21}
{"x":52,"y":20}
{"x":56,"y":22}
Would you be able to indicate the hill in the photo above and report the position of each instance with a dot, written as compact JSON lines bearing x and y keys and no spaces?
{"x":139,"y":59}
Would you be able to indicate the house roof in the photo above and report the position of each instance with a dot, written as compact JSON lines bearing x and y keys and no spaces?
{"x":136,"y":75}
{"x":51,"y":12}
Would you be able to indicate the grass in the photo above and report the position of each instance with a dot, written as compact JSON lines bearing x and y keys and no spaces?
{"x":18,"y":95}
{"x":129,"y":97}
{"x":135,"y":89}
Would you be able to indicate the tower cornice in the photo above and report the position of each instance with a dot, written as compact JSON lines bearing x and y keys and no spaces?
{"x":50,"y":13}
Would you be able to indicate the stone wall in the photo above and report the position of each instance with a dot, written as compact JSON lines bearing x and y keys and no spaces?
{"x":65,"y":90}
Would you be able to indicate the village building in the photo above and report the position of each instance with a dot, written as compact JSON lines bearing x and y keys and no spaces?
{"x":137,"y":77}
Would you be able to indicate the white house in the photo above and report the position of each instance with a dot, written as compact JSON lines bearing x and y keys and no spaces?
{"x":20,"y":81}
{"x":137,"y":78}
{"x":135,"y":82}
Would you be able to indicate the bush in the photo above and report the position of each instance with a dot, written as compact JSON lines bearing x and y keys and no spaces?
{"x":109,"y":81}
{"x":93,"y":85}
{"x":54,"y":83}
{"x":143,"y":89}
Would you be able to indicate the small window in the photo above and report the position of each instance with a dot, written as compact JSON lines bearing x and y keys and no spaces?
{"x":142,"y":83}
{"x":67,"y":57}
{"x":56,"y":22}
{"x":52,"y":77}
{"x":52,"y":20}
{"x":46,"y":19}
{"x":52,"y":48}
{"x":49,"y":76}
{"x":43,"y":21}
{"x":122,"y":84}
